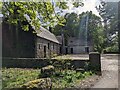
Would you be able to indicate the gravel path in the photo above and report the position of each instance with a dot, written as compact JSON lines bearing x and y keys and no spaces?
{"x":89,"y":82}
{"x":109,"y":78}
{"x":109,"y":72}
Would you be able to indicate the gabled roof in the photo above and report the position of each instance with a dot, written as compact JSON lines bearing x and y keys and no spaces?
{"x":44,"y":33}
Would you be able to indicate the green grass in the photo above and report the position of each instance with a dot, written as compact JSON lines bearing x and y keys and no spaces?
{"x":16,"y":77}
{"x":69,"y":78}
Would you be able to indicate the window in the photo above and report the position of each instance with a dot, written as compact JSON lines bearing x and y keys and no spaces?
{"x":39,"y":46}
{"x":71,"y":50}
{"x":71,"y":41}
{"x":48,"y":45}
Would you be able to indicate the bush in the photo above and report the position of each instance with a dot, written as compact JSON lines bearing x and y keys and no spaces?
{"x":17,"y":78}
{"x":112,"y":49}
{"x":47,"y":71}
{"x":43,"y":83}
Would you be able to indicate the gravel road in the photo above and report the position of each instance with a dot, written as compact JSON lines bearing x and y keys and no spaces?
{"x":109,"y":66}
{"x":109,"y":78}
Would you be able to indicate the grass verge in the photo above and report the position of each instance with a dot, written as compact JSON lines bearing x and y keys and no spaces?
{"x":16,"y":77}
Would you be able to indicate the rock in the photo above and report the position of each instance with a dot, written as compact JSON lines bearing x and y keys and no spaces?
{"x":47,"y":71}
{"x":43,"y":83}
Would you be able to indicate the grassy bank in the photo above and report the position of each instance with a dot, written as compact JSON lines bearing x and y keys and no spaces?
{"x":16,"y":77}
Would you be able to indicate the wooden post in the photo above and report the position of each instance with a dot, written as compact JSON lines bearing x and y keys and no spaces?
{"x":95,"y":61}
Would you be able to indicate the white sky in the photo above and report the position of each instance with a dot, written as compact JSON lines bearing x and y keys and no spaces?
{"x":89,"y":5}
{"x":112,"y":0}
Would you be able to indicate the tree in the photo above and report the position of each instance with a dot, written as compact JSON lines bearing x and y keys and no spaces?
{"x":95,"y":31}
{"x":38,"y":13}
{"x":74,"y":28}
{"x":70,"y":27}
{"x":109,"y":13}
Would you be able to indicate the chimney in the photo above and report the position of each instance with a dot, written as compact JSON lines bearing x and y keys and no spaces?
{"x":50,"y":29}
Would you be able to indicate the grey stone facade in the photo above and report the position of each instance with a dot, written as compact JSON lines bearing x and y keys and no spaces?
{"x":47,"y":45}
{"x":78,"y":46}
{"x":46,"y":48}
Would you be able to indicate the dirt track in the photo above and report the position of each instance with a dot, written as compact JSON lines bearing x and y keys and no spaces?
{"x":109,"y":72}
{"x":109,"y":66}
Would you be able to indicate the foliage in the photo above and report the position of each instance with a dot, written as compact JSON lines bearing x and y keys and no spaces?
{"x":37,"y":13}
{"x":61,"y":63}
{"x":112,"y":49}
{"x":70,"y":26}
{"x":47,"y":71}
{"x":16,"y":78}
{"x":99,"y":31}
{"x":109,"y":13}
{"x":0,"y":6}
{"x":74,"y":27}
{"x":38,"y":84}
{"x":95,"y":30}
{"x":68,"y":78}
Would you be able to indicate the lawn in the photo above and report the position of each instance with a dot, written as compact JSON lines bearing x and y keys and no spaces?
{"x":16,"y":77}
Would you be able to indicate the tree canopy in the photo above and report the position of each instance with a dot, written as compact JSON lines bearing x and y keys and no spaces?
{"x":38,"y":13}
{"x":109,"y":13}
{"x":75,"y":26}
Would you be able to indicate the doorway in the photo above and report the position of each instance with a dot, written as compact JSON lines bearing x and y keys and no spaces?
{"x":60,"y":50}
{"x":44,"y":51}
{"x":87,"y":49}
{"x":71,"y":50}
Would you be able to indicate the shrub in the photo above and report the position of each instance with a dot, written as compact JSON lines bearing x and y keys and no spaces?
{"x":43,"y":83}
{"x":112,"y":48}
{"x":47,"y":71}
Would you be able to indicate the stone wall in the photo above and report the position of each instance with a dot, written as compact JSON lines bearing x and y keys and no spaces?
{"x":51,"y":48}
{"x":39,"y":63}
{"x":24,"y":62}
{"x":93,"y":63}
{"x":78,"y":45}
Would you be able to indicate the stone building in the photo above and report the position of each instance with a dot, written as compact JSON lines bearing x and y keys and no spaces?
{"x":78,"y":46}
{"x":82,"y":42}
{"x":17,"y":43}
{"x":47,"y":44}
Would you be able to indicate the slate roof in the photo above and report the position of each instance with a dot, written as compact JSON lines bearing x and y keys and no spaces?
{"x":44,"y":33}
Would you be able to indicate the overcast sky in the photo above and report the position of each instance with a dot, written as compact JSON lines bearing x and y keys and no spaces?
{"x":112,"y":0}
{"x":89,"y":5}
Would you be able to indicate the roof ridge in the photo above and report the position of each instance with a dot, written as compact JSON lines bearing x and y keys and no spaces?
{"x":50,"y":36}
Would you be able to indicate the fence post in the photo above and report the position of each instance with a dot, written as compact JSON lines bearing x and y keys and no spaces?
{"x":95,"y":61}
